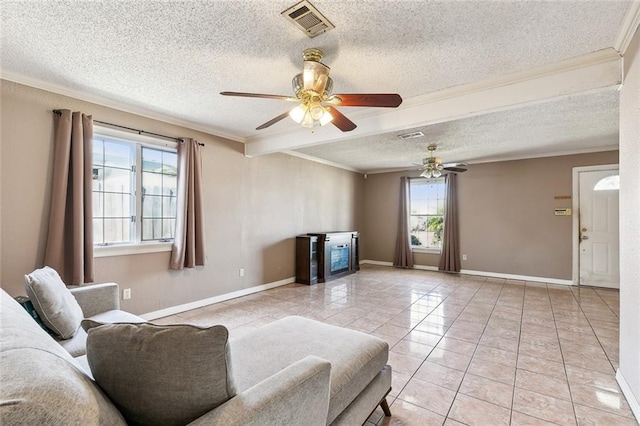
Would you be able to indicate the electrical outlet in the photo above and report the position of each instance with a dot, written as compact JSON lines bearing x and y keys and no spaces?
{"x":126,"y":293}
{"x":241,"y":272}
{"x":464,"y":257}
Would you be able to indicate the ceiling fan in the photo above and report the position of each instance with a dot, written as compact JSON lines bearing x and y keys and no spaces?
{"x":433,"y":168}
{"x":317,"y":104}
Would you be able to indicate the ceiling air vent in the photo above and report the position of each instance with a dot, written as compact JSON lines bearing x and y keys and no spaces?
{"x":306,"y":17}
{"x":411,"y":135}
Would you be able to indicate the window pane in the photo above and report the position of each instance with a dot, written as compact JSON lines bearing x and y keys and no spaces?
{"x":151,"y":183}
{"x":118,"y":155}
{"x":427,"y":202}
{"x":97,"y":182}
{"x":117,"y":205}
{"x":170,"y":160}
{"x":151,"y":206}
{"x":169,"y":183}
{"x":168,"y":226}
{"x":98,"y":204}
{"x":151,"y":229}
{"x":98,"y":235}
{"x":117,"y":180}
{"x":98,"y":154}
{"x":151,"y":160}
{"x":168,"y":207}
{"x":116,"y":230}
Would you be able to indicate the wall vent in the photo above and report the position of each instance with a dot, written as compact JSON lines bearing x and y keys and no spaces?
{"x":307,"y":18}
{"x":411,"y":135}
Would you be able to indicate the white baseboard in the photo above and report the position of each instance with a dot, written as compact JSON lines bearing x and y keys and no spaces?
{"x":480,"y":273}
{"x":517,"y":277}
{"x":634,"y":404}
{"x":216,"y":299}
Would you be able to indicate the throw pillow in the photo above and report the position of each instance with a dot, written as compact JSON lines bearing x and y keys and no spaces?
{"x":53,"y":302}
{"x":154,"y":374}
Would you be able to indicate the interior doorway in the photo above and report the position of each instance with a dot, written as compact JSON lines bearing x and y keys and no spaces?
{"x":596,"y":223}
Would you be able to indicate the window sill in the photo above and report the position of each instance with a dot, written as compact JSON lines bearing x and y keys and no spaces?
{"x":426,"y":250}
{"x":128,"y":249}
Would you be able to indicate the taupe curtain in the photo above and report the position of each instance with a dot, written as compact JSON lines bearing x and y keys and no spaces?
{"x":69,"y":248}
{"x":188,"y":244}
{"x":403,"y":257}
{"x":450,"y":257}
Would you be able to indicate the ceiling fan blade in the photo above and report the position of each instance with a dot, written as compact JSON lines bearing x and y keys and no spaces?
{"x":386,"y":100}
{"x":315,"y":76}
{"x":259,"y":95}
{"x":340,"y":120}
{"x":273,"y":121}
{"x":455,"y":167}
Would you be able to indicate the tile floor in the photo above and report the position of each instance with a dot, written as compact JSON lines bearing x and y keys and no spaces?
{"x":464,"y":349}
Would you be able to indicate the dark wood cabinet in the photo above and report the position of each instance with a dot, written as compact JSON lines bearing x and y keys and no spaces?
{"x":307,"y":259}
{"x":323,"y":256}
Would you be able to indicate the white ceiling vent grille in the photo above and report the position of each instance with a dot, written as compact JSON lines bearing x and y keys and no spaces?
{"x":411,"y":135}
{"x":307,"y":18}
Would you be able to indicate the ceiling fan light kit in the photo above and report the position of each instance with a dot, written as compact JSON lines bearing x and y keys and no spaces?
{"x":313,"y":89}
{"x":432,"y":165}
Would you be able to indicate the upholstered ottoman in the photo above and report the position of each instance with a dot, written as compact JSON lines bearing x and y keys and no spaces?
{"x":360,"y":378}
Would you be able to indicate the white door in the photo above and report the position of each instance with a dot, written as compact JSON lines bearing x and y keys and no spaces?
{"x":599,"y":240}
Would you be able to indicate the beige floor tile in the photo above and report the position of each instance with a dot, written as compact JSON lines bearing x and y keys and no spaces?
{"x":520,"y":419}
{"x":398,"y":382}
{"x":440,"y":375}
{"x":403,"y":363}
{"x":457,"y":346}
{"x":451,"y":422}
{"x":432,"y":328}
{"x":541,"y":365}
{"x":472,"y":411}
{"x":546,"y":385}
{"x":449,"y":359}
{"x":493,"y":370}
{"x":427,"y":395}
{"x":496,"y":355}
{"x":393,"y":330}
{"x":596,"y":379}
{"x":504,"y":343}
{"x":466,"y":335}
{"x":414,"y":349}
{"x":424,"y":338}
{"x":588,"y":361}
{"x":406,"y":414}
{"x":601,"y":399}
{"x":391,"y":341}
{"x":545,"y":407}
{"x":591,"y":417}
{"x":487,"y":390}
{"x":541,"y":350}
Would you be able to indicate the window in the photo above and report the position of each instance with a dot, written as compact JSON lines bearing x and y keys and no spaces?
{"x":426,"y":210}
{"x":134,"y":192}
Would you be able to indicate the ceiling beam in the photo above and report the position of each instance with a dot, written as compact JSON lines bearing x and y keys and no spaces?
{"x":584,"y":73}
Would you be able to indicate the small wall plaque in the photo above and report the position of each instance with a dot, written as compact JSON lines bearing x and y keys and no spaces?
{"x":563,"y":212}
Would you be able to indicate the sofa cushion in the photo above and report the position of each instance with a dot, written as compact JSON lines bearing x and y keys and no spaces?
{"x":77,"y":345}
{"x":356,"y":358}
{"x":160,"y":374}
{"x":53,"y":302}
{"x":40,"y":382}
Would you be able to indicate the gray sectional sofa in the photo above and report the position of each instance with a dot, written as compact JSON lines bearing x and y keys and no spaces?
{"x":294,"y":371}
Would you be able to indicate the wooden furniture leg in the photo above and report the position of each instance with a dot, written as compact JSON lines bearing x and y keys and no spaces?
{"x":385,"y":407}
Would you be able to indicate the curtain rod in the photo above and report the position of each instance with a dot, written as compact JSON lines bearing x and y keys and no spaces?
{"x":131,"y":129}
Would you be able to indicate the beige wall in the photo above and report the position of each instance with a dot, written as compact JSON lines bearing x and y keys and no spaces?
{"x":254,"y":207}
{"x":507,"y":222}
{"x":630,"y":225}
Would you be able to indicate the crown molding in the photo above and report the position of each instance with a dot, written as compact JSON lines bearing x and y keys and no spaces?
{"x":121,"y":106}
{"x":628,"y":29}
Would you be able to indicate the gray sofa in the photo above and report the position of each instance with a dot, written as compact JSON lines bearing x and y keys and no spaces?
{"x":294,"y":371}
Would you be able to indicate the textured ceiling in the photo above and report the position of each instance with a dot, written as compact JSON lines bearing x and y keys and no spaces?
{"x":581,"y":123}
{"x":172,"y":59}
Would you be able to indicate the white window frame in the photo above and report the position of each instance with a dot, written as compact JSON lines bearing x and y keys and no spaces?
{"x":422,"y":249}
{"x":138,"y":246}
